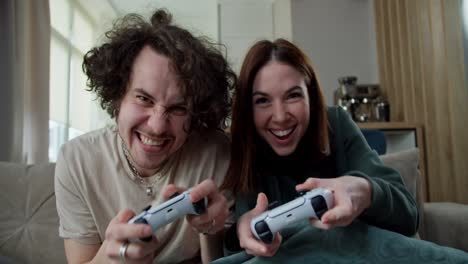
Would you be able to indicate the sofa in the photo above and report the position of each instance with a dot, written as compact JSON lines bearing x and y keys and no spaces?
{"x":29,"y":221}
{"x":28,"y":218}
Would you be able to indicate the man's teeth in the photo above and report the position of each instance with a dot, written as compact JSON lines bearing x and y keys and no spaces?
{"x":150,"y":142}
{"x":281,"y":133}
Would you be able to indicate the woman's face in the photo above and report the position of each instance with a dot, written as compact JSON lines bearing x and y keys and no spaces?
{"x":280,"y":106}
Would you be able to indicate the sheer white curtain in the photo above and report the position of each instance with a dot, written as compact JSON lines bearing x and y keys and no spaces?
{"x":24,"y":79}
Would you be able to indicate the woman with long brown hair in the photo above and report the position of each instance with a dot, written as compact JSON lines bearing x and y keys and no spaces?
{"x":284,"y":140}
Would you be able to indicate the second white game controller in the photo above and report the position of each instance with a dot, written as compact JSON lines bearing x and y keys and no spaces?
{"x":312,"y":204}
{"x":169,"y":211}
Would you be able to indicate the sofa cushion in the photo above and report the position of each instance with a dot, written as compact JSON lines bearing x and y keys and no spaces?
{"x":28,"y":219}
{"x":448,"y":224}
{"x":407,"y":164}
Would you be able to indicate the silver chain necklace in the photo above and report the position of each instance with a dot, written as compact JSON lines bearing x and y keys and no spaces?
{"x":148,"y":186}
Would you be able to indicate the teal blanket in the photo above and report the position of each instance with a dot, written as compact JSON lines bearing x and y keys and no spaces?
{"x":358,"y":243}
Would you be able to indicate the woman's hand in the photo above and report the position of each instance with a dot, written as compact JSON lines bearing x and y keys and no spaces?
{"x":216,"y":213}
{"x":247,"y":240}
{"x":352,"y":195}
{"x":119,"y":232}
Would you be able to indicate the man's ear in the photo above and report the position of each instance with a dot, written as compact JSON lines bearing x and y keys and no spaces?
{"x":116,"y":105}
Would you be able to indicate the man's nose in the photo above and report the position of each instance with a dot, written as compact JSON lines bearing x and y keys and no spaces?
{"x":158,"y":119}
{"x":280,"y":112}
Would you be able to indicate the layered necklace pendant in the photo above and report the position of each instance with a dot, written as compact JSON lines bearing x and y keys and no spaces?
{"x":147,"y":185}
{"x":149,"y":191}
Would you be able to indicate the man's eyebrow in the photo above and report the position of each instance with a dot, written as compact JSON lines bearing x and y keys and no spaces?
{"x":178,"y":102}
{"x":143,"y":92}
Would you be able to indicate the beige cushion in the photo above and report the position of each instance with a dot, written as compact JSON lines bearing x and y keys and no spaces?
{"x":407,"y":163}
{"x":28,"y":217}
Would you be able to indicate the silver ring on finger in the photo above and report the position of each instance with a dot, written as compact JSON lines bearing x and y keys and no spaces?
{"x":123,"y":252}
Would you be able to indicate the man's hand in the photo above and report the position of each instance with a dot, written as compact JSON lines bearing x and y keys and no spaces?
{"x":119,"y":232}
{"x":352,"y":195}
{"x":212,"y":221}
{"x":247,"y":240}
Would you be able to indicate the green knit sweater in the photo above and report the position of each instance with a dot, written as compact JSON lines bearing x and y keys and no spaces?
{"x":377,"y":236}
{"x":392,"y":207}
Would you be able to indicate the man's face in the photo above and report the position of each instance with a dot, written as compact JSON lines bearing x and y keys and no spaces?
{"x":154,"y":117}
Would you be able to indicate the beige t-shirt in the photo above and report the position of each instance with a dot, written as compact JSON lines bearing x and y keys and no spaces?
{"x":93,"y":182}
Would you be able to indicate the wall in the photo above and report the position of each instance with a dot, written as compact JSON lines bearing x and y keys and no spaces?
{"x":339,"y":37}
{"x":200,"y":17}
{"x":102,"y":13}
{"x":243,"y":22}
{"x":282,"y":19}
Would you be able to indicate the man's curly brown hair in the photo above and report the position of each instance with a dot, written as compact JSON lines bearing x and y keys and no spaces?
{"x":202,"y":70}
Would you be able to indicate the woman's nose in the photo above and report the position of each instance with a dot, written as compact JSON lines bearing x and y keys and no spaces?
{"x":279,"y":112}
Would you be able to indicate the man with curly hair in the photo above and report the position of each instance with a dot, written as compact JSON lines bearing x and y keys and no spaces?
{"x":169,"y":94}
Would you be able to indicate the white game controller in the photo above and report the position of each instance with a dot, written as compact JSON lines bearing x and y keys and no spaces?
{"x":169,"y":211}
{"x":312,"y":204}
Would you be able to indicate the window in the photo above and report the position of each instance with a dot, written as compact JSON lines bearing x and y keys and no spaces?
{"x":73,"y":110}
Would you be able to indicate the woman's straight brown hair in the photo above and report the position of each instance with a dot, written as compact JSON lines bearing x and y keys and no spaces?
{"x":243,"y":149}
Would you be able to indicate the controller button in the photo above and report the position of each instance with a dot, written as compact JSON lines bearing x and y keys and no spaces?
{"x":266,"y":238}
{"x":174,"y":195}
{"x":146,"y":208}
{"x":264,"y":232}
{"x":261,"y":227}
{"x":273,"y":205}
{"x":141,"y":220}
{"x":199,"y":206}
{"x":320,"y":205}
{"x":146,"y":239}
{"x":301,"y":193}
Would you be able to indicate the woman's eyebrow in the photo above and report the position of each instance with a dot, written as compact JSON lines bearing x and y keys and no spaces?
{"x":259,"y":93}
{"x":296,"y":87}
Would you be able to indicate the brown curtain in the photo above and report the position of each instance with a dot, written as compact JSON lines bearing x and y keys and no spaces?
{"x":421,"y":67}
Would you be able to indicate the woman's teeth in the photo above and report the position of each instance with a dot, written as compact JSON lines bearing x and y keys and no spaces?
{"x":281,"y":133}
